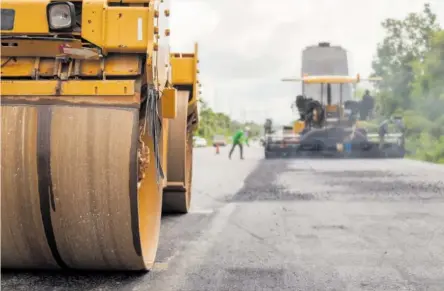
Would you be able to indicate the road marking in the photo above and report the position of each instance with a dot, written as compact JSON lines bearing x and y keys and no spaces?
{"x":161,"y":266}
{"x":202,"y":211}
{"x":196,"y":251}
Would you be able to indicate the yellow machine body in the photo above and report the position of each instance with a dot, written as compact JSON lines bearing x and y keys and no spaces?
{"x":298,"y":126}
{"x":334,"y":110}
{"x":184,"y":74}
{"x":84,"y":159}
{"x":112,"y":28}
{"x":331,"y":108}
{"x":184,"y":77}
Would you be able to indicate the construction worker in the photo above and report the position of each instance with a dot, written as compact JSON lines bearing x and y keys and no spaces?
{"x":367,"y":105}
{"x":240,"y":137}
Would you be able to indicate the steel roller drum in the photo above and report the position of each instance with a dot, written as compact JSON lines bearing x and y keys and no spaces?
{"x":70,"y":195}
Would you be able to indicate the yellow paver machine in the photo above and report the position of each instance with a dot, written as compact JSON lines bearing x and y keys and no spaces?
{"x":97,"y":118}
{"x":328,"y":127}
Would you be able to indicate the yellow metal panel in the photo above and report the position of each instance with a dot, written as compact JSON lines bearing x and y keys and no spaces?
{"x":30,"y":16}
{"x":115,"y":65}
{"x":92,"y":21}
{"x":162,"y":43}
{"x":298,"y":126}
{"x":110,"y":101}
{"x":118,"y":29}
{"x":332,"y":79}
{"x":126,"y":29}
{"x":68,"y":88}
{"x":329,"y":79}
{"x":24,"y":67}
{"x":37,"y":48}
{"x":119,"y":65}
{"x":15,"y":68}
{"x":169,"y":103}
{"x":196,"y":84}
{"x":331,"y":108}
{"x":151,"y":61}
{"x":182,"y":71}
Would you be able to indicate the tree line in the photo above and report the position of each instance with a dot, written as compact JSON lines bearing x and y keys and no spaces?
{"x":217,"y":123}
{"x":410,"y":60}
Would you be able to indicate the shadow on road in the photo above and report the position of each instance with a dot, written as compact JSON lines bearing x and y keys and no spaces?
{"x":69,"y":280}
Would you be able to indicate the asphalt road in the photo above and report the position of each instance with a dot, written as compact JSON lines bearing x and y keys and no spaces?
{"x":290,"y":225}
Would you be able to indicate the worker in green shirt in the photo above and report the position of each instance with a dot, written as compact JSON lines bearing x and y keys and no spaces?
{"x":239,"y":138}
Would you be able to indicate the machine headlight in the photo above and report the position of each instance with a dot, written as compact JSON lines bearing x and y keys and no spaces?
{"x":61,"y":15}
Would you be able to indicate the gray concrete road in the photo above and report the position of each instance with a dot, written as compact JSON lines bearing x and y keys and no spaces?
{"x":290,"y":225}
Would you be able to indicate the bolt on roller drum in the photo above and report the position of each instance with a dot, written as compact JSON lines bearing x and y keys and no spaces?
{"x":70,"y":194}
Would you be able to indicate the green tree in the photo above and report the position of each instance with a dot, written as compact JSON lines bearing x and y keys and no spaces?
{"x":216,"y":123}
{"x":406,"y":42}
{"x":410,"y":59}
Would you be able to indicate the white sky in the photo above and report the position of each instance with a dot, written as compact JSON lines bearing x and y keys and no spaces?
{"x":247,"y":46}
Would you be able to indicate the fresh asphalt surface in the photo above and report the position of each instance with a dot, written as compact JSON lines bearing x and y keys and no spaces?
{"x":290,"y":225}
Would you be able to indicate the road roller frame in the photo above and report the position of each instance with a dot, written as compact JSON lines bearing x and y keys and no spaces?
{"x":184,"y":77}
{"x":84,"y":133}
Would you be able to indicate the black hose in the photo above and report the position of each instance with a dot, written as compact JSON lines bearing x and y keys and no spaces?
{"x":154,"y":128}
{"x":8,"y":60}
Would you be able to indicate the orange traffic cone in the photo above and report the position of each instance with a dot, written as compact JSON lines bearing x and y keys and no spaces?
{"x":217,"y":149}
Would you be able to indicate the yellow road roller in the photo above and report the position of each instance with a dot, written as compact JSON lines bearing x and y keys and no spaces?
{"x":184,"y":76}
{"x":94,"y":130}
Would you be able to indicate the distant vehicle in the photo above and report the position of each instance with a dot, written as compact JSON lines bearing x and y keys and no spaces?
{"x":329,"y":120}
{"x":280,"y":141}
{"x":219,"y":140}
{"x":199,"y":141}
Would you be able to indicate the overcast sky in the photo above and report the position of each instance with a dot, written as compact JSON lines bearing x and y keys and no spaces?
{"x":247,"y":46}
